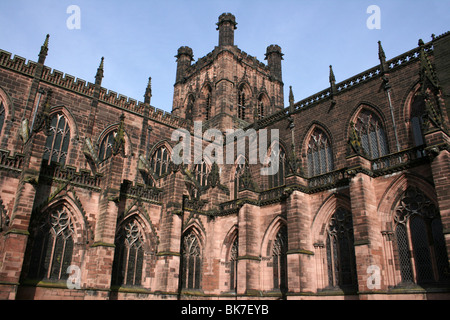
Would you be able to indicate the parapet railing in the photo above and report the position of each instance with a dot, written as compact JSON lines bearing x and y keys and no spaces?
{"x":11,"y":162}
{"x":397,"y":161}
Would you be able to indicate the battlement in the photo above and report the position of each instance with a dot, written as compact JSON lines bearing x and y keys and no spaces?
{"x":82,"y":87}
{"x":239,"y":55}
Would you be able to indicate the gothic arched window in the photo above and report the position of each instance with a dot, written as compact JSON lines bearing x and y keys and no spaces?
{"x":233,"y":255}
{"x":52,"y":247}
{"x":320,"y":154}
{"x":242,"y":103}
{"x":208,"y":103}
{"x":2,"y":116}
{"x":190,"y":107}
{"x":106,"y":146}
{"x":372,"y":134}
{"x":278,"y":178}
{"x":191,"y":262}
{"x":201,"y":173}
{"x":129,"y":255}
{"x":340,"y":250}
{"x":279,"y":260}
{"x":160,"y":161}
{"x":261,"y":108}
{"x":237,"y":177}
{"x":57,"y":144}
{"x":420,"y":239}
{"x":418,"y":112}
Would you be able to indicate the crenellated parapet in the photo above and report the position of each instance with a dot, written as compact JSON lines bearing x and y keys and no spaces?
{"x":79,"y":86}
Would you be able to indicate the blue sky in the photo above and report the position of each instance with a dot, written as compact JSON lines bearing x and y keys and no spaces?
{"x":140,"y":38}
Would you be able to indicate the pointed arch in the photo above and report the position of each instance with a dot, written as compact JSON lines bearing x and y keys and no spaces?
{"x":394,"y":192}
{"x":106,"y":139}
{"x":57,"y":233}
{"x":239,"y":167}
{"x":419,"y":240}
{"x":324,"y":213}
{"x":202,"y":170}
{"x":279,"y":151}
{"x":270,"y":234}
{"x":190,"y":106}
{"x":263,"y":107}
{"x":370,"y":126}
{"x":207,"y":100}
{"x":414,"y":115}
{"x":8,"y":104}
{"x":409,"y":218}
{"x":229,"y":255}
{"x":70,"y":119}
{"x":135,"y":244}
{"x":332,"y":227}
{"x":159,"y":158}
{"x":63,"y":132}
{"x":244,"y":95}
{"x":318,"y":148}
{"x":191,"y":259}
{"x":274,"y":249}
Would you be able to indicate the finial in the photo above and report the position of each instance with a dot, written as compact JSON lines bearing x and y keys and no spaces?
{"x":332,"y":77}
{"x":99,"y":75}
{"x":291,"y":95}
{"x":382,"y":57}
{"x":148,"y":91}
{"x":46,"y":41}
{"x":44,"y":50}
{"x":332,"y":82}
{"x":291,"y":99}
{"x":381,"y":53}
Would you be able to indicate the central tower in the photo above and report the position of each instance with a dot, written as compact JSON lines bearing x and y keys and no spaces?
{"x":228,"y":88}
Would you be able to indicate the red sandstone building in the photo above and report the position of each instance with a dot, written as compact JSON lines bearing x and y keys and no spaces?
{"x":359,"y":208}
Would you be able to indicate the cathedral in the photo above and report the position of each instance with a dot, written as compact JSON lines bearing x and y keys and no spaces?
{"x":94,"y":207}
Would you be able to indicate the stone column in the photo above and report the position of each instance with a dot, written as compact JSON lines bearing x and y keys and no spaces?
{"x":438,"y":143}
{"x":248,"y":281}
{"x":368,"y":240}
{"x":300,"y":255}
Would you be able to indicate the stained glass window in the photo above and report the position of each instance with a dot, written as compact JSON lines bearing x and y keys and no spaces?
{"x":320,"y":154}
{"x":57,"y":144}
{"x":106,"y":146}
{"x":191,"y":262}
{"x":208,"y":105}
{"x":237,"y":176}
{"x":278,"y":179}
{"x":340,"y":250}
{"x":233,"y":265}
{"x":129,"y":255}
{"x":372,"y":134}
{"x":52,"y":246}
{"x":279,"y":260}
{"x":417,"y":218}
{"x":159,"y":161}
{"x":242,"y":104}
{"x":201,"y":173}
